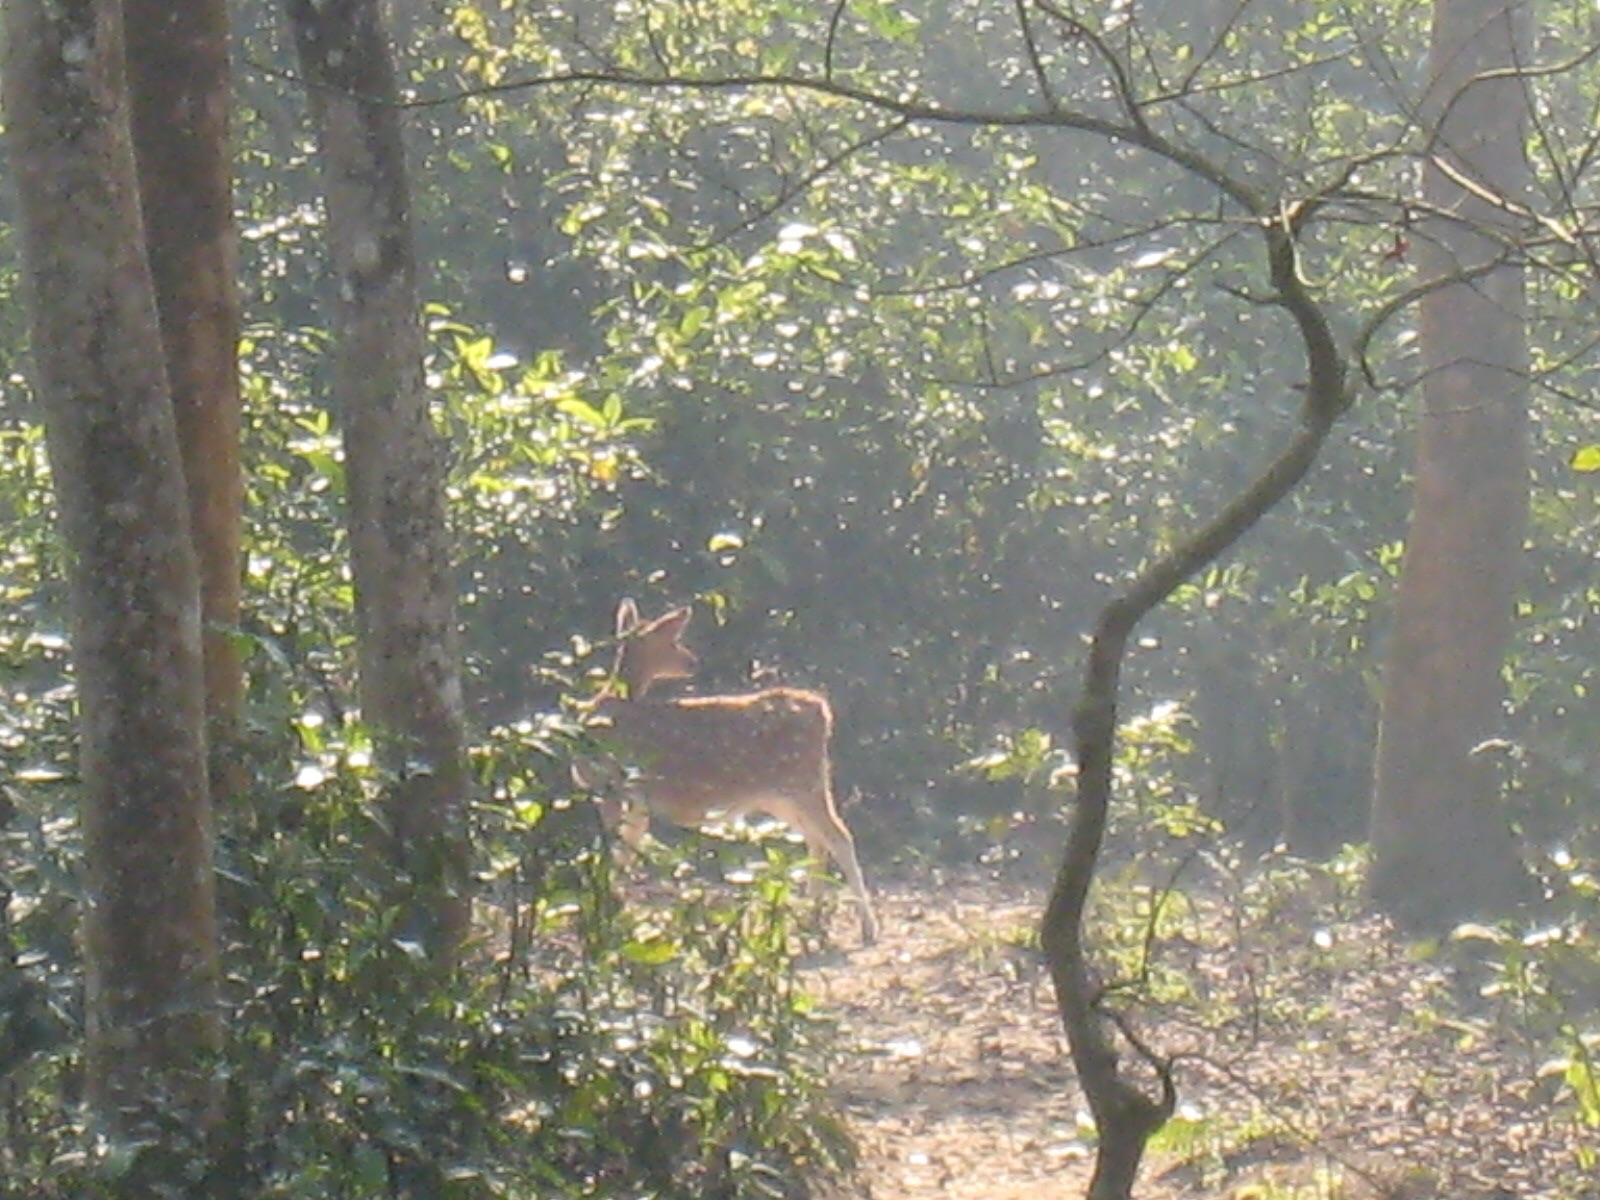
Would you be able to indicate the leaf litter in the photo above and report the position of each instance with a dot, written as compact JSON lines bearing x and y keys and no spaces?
{"x":1315,"y":1058}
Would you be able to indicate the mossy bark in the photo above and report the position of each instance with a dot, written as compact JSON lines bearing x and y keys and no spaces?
{"x":394,"y":458}
{"x":149,"y":910}
{"x":179,"y":84}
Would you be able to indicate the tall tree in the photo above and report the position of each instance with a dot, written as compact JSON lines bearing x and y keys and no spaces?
{"x":178,"y":79}
{"x":149,"y":915}
{"x":394,"y":460}
{"x":1443,"y":849}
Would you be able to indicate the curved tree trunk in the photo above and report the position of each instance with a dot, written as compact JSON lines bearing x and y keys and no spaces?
{"x":149,"y":916}
{"x":178,"y":80}
{"x":1125,"y":1116}
{"x":394,"y":459}
{"x":1442,"y":847}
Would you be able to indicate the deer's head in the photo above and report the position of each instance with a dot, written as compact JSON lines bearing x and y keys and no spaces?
{"x":651,"y":650}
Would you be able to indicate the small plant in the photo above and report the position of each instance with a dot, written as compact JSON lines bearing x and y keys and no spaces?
{"x":586,"y":1048}
{"x":1546,"y":979}
{"x":1577,"y":1065}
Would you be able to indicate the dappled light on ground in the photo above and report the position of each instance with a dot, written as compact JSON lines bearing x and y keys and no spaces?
{"x":1316,"y":1060}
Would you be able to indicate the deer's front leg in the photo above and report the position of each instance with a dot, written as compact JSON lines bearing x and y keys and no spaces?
{"x":627,"y":820}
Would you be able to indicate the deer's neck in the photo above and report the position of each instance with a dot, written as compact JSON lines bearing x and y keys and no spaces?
{"x":623,"y":684}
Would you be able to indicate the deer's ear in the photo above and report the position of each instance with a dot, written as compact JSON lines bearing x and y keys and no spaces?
{"x":627,"y":617}
{"x":677,"y":619}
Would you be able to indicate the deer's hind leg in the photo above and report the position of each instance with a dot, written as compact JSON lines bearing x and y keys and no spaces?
{"x":827,"y":836}
{"x":841,"y":846}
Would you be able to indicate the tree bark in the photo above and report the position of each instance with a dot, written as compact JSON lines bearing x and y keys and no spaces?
{"x":149,"y":917}
{"x":178,"y":79}
{"x":1125,"y":1116}
{"x":1442,"y":847}
{"x":404,"y":582}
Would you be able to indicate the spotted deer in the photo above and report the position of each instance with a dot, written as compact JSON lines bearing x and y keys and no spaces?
{"x":700,"y":757}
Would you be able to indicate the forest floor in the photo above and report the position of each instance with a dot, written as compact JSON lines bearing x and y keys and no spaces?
{"x":1314,"y":1059}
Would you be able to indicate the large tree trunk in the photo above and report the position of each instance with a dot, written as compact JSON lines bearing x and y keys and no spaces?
{"x":178,"y":80}
{"x":1442,"y":847}
{"x":405,"y":588}
{"x":149,"y":912}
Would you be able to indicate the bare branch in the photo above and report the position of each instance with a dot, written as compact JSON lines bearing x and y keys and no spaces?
{"x":834,"y":19}
{"x":1041,"y":77}
{"x":1401,"y":301}
{"x":803,"y":185}
{"x":1213,"y":50}
{"x":1121,"y":83}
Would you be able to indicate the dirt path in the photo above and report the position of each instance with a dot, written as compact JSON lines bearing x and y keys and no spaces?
{"x":959,"y":1084}
{"x":1318,"y":1061}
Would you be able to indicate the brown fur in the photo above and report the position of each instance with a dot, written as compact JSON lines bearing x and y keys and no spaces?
{"x":695,"y":758}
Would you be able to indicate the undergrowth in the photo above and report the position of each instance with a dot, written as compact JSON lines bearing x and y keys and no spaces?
{"x":584,"y":1048}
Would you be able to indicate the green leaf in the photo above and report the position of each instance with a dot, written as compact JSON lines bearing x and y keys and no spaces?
{"x":1586,"y":459}
{"x":582,"y":412}
{"x":652,"y":952}
{"x":371,"y":1168}
{"x":693,"y":321}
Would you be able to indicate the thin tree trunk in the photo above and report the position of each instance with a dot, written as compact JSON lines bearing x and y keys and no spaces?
{"x":178,"y":79}
{"x":149,"y":916}
{"x":1442,"y":846}
{"x":405,"y":587}
{"x":1125,"y":1116}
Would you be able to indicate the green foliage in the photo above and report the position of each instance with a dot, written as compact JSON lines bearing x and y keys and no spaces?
{"x":583,"y":1049}
{"x":941,"y":396}
{"x":1204,"y":1144}
{"x":1543,"y":983}
{"x":897,"y":416}
{"x":1154,"y":814}
{"x":1577,"y":1065}
{"x":40,"y":985}
{"x":904,"y":404}
{"x":591,"y":1051}
{"x":902,"y":424}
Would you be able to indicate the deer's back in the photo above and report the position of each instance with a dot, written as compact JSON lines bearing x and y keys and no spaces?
{"x":721,"y":752}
